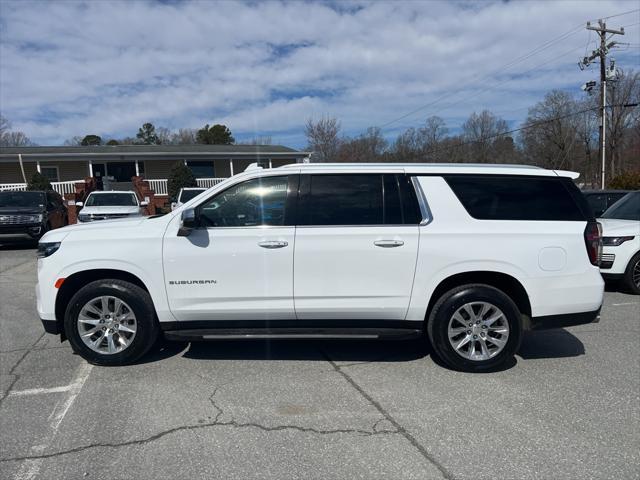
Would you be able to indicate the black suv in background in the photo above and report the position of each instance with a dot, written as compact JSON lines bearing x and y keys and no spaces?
{"x":28,"y":215}
{"x":601,"y":200}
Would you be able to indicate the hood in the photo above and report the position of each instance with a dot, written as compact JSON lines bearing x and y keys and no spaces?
{"x":613,"y":228}
{"x":110,"y":210}
{"x":20,"y":210}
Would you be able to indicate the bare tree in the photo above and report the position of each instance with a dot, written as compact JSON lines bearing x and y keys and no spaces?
{"x":184,"y":136}
{"x":5,"y":125}
{"x":482,"y":132}
{"x":551,"y":132}
{"x":11,"y":138}
{"x":163,"y":135}
{"x":371,"y":146}
{"x":620,"y":119}
{"x":73,"y":141}
{"x":323,"y":139}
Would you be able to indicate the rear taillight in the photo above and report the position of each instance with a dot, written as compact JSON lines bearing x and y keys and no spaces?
{"x":593,"y":241}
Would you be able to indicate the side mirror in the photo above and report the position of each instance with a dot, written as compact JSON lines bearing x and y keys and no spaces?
{"x":188,"y":222}
{"x":144,"y":204}
{"x":79,"y":204}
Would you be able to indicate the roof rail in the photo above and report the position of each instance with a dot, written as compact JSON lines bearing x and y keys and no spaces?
{"x":408,"y":165}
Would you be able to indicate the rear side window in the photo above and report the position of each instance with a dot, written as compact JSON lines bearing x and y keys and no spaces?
{"x":354,"y":199}
{"x":502,"y":197}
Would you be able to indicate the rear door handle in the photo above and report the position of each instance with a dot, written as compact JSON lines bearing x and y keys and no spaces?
{"x":388,"y":243}
{"x":271,"y":244}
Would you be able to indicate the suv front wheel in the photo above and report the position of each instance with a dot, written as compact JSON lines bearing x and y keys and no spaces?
{"x":475,"y":328}
{"x":111,"y":322}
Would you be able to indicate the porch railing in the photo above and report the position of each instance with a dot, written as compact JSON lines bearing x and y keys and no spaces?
{"x":60,"y":187}
{"x":13,"y":186}
{"x":160,"y":185}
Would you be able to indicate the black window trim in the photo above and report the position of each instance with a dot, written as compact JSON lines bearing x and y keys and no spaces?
{"x":305,"y":187}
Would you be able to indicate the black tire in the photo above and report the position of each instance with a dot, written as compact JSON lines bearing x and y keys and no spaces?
{"x":142,"y":306}
{"x":627,"y":280}
{"x":449,"y":303}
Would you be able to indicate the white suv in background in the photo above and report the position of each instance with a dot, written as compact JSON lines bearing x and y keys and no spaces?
{"x":110,"y":205}
{"x":470,"y":255}
{"x":621,"y":242}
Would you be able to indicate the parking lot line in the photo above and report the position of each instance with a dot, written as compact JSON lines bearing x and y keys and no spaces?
{"x":30,"y":468}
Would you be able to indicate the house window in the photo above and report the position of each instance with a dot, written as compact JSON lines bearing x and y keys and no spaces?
{"x":51,"y":173}
{"x":202,"y":169}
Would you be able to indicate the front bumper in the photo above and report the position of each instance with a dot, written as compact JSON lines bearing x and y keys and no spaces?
{"x":565,"y":320}
{"x":27,"y":231}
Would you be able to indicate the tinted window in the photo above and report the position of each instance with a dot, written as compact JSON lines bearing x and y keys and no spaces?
{"x":503,"y":197}
{"x":354,"y":199}
{"x":112,"y":200}
{"x":187,"y":195}
{"x":260,"y":201}
{"x":202,"y":169}
{"x":598,"y":203}
{"x":22,"y":199}
{"x":626,"y":209}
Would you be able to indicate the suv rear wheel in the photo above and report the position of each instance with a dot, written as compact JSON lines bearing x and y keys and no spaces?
{"x":111,"y":322}
{"x":475,"y":328}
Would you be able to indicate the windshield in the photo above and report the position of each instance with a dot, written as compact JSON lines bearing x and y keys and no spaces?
{"x":22,"y":199}
{"x":112,"y":200}
{"x":187,"y":195}
{"x":627,"y":208}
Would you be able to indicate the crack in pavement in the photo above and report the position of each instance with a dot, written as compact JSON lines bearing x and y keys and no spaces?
{"x":399,"y":428}
{"x":217,"y":422}
{"x":16,"y":376}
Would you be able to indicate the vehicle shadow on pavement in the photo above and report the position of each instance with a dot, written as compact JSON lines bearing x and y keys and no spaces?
{"x":19,"y":246}
{"x":556,"y":343}
{"x":535,"y":345}
{"x":355,"y":351}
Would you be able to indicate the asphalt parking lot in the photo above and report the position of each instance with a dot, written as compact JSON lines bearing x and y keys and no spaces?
{"x":568,"y":408}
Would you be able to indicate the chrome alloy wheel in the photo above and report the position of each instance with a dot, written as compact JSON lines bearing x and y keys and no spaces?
{"x":635,"y":275}
{"x":107,"y":325}
{"x":478,"y":331}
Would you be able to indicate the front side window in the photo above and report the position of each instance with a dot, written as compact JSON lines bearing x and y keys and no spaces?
{"x":112,"y":200}
{"x":256,"y":202}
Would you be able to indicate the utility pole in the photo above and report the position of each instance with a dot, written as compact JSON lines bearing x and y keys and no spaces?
{"x":601,"y":52}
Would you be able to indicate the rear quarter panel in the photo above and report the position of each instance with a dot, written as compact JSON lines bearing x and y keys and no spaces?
{"x":548,"y":258}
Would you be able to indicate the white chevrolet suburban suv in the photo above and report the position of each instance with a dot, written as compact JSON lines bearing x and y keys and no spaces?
{"x":470,"y":255}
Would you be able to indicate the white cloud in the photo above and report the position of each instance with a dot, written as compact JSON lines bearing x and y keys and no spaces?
{"x":70,"y":68}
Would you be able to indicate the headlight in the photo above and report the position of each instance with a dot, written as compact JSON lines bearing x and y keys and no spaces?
{"x":34,"y":218}
{"x":614,"y":241}
{"x":46,"y":249}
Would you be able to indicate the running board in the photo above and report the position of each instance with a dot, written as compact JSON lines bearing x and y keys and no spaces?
{"x":290,"y":333}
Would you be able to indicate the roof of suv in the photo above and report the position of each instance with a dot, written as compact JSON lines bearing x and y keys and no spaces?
{"x":439,"y":168}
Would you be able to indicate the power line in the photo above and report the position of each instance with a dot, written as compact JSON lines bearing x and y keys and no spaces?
{"x":617,"y":15}
{"x":528,"y":126}
{"x":515,"y":61}
{"x":509,"y":64}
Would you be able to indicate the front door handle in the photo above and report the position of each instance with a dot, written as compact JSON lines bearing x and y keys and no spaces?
{"x":273,"y":244}
{"x":388,"y":243}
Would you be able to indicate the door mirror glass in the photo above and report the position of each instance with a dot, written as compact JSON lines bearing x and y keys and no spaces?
{"x":79,"y":204}
{"x":144,"y":204}
{"x":187,"y":222}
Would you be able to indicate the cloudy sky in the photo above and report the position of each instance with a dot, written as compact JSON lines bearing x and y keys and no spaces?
{"x":105,"y":67}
